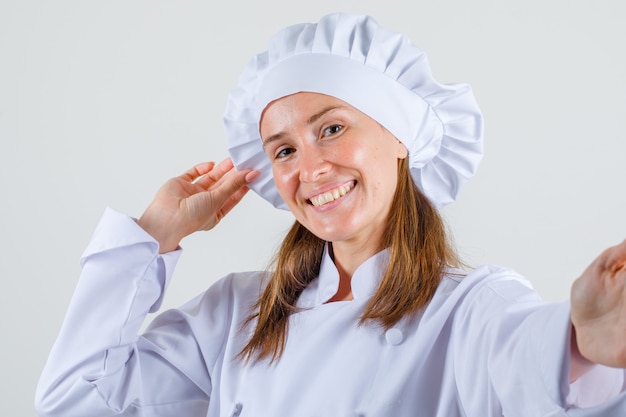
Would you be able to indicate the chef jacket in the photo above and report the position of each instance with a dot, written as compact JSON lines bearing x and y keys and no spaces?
{"x":486,"y":345}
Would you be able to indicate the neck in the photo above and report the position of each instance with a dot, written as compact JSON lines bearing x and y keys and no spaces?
{"x":347,"y":258}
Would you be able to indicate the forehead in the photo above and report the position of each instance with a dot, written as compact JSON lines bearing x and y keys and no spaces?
{"x":298,"y":108}
{"x":300,"y":103}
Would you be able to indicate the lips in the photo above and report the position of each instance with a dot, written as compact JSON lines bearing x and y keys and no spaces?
{"x":331,"y":195}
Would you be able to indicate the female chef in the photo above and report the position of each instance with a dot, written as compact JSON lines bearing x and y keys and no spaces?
{"x":366,"y":312}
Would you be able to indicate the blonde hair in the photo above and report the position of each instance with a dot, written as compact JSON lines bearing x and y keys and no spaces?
{"x":419,"y":251}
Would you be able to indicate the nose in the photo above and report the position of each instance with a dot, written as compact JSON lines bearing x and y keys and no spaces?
{"x":312,"y":164}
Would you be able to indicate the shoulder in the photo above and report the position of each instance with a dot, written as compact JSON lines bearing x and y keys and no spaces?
{"x":487,"y":287}
{"x":235,"y":291}
{"x":504,"y":282}
{"x":213,"y":319}
{"x":225,"y":304}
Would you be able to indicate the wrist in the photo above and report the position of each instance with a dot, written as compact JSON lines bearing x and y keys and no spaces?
{"x":167,"y":240}
{"x":579,"y":365}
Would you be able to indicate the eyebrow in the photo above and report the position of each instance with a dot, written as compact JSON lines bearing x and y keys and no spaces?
{"x":315,"y":117}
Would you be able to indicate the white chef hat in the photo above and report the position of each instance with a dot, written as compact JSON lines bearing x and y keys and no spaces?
{"x":378,"y":72}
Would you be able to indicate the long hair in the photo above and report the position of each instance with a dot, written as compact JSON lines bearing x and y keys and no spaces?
{"x":419,"y":250}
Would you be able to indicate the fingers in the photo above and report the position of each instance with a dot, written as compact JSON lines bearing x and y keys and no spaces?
{"x":209,"y":175}
{"x":196,"y":172}
{"x":225,"y":185}
{"x":231,"y":183}
{"x":206,"y":174}
{"x":231,"y":202}
{"x":614,"y":258}
{"x":215,"y":174}
{"x":211,"y":192}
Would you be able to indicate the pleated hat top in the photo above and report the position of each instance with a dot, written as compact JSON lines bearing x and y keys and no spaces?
{"x":377,"y":71}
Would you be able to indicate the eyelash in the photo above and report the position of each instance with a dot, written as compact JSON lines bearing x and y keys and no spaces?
{"x":334,"y":129}
{"x":279,"y":154}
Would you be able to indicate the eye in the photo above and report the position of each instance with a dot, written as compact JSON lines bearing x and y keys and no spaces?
{"x":284,"y":152}
{"x":331,"y":130}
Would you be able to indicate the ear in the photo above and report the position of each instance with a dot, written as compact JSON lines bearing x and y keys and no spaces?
{"x":401,"y":150}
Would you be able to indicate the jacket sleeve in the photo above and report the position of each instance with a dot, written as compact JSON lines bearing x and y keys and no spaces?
{"x":98,"y":366}
{"x":519,"y":346}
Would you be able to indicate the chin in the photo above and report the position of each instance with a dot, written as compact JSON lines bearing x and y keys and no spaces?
{"x":332,"y":234}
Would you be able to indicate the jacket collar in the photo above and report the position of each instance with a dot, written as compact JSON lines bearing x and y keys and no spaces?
{"x":364,"y":282}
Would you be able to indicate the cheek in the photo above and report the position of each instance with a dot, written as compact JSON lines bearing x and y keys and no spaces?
{"x":380,"y":165}
{"x":284,"y":179}
{"x":357,"y":155}
{"x":373,"y":160}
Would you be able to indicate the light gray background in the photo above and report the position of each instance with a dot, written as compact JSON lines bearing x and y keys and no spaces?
{"x":102,"y":101}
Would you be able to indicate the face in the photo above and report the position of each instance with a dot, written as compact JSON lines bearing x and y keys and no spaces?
{"x":335,"y":167}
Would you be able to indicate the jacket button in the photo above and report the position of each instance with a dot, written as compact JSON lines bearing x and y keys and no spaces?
{"x":394,"y":336}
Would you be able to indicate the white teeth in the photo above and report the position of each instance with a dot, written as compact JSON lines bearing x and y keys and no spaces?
{"x":320,"y":200}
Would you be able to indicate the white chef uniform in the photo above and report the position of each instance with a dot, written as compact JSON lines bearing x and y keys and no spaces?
{"x":486,"y":345}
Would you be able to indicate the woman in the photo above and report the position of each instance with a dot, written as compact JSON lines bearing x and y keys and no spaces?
{"x":366,"y":312}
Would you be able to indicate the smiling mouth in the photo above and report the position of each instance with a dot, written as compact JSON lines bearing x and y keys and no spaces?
{"x":332,"y":195}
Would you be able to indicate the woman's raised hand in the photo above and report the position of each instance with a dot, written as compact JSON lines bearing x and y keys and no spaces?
{"x":599,"y":308}
{"x":196,"y":200}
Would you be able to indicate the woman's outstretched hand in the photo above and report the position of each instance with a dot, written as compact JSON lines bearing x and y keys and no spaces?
{"x":196,"y":200}
{"x":599,"y":309}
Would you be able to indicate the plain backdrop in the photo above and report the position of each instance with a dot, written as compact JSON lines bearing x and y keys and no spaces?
{"x":102,"y":101}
